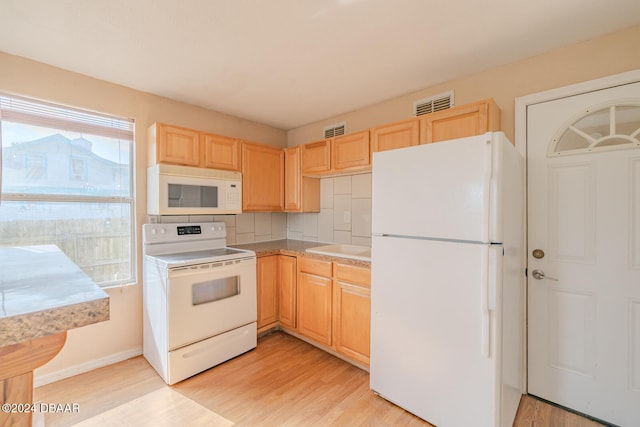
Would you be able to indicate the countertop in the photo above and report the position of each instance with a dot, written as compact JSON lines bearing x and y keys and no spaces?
{"x":42,"y":292}
{"x":295,"y":248}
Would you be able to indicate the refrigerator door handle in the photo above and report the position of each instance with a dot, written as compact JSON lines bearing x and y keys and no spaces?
{"x":490,"y":285}
{"x":486,"y":192}
{"x":494,"y":289}
{"x":484,"y":301}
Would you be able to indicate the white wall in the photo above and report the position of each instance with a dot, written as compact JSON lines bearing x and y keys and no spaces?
{"x":599,"y":57}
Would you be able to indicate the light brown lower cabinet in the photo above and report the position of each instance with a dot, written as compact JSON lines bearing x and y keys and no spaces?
{"x":314,"y":300}
{"x":287,"y":274}
{"x":267,"y":281}
{"x":327,"y":302}
{"x":276,"y":281}
{"x":352,"y":311}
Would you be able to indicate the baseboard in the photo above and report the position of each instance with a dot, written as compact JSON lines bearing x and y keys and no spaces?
{"x":40,"y":380}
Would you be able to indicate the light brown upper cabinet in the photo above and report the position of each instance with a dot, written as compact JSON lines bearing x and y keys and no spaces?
{"x":351,"y":152}
{"x":316,"y":157}
{"x":176,"y":145}
{"x":467,"y":120}
{"x":262,"y":178}
{"x":173,"y":145}
{"x":221,"y":152}
{"x":395,"y":135}
{"x":301,"y":193}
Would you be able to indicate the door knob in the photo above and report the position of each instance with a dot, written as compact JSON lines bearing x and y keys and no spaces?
{"x":539,"y":275}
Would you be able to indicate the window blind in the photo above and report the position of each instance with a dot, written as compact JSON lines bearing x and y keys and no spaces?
{"x":41,"y":113}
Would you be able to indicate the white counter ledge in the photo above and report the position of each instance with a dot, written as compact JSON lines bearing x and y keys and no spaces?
{"x":42,"y":295}
{"x":42,"y":292}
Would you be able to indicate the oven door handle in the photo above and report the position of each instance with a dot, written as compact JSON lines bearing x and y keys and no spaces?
{"x":210,"y":268}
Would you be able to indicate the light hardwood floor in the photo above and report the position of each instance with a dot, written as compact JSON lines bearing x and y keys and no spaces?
{"x":283,"y":382}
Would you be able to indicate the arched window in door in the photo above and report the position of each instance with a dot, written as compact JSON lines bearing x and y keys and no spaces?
{"x":611,"y":126}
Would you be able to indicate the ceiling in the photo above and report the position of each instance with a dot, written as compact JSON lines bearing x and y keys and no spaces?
{"x":287,"y":63}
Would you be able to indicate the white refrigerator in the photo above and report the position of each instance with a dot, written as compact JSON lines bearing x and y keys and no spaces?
{"x":447,"y":266}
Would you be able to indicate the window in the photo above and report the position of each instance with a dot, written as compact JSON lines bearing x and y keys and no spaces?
{"x":67,"y":180}
{"x":613,"y":126}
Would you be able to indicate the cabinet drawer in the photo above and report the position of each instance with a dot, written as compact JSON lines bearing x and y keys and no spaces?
{"x":353,"y":274}
{"x":315,"y":266}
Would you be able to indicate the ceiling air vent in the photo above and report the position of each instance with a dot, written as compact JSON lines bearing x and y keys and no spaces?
{"x":335,"y":130}
{"x":433,"y":103}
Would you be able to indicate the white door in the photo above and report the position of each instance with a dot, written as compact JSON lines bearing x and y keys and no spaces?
{"x":584,"y":249}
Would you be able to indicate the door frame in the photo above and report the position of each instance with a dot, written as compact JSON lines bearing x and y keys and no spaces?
{"x":520,"y":110}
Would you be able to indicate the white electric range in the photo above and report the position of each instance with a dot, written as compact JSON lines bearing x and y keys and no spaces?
{"x":199,"y":296}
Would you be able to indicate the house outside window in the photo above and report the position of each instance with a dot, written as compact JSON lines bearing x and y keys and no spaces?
{"x":36,"y":167}
{"x":67,"y":180}
{"x":78,"y":169}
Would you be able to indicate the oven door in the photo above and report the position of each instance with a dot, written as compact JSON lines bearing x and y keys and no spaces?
{"x":205,"y":300}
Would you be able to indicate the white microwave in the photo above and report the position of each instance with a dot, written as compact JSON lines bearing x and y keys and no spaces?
{"x":183,"y":190}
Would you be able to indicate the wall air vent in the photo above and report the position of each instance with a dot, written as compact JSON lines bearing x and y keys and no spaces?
{"x":335,"y":130}
{"x":433,"y":103}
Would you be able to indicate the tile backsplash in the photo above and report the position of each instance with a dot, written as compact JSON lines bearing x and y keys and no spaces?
{"x":345,"y":217}
{"x":345,"y":213}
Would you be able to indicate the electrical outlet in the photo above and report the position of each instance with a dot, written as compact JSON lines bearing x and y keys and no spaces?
{"x":346,"y":216}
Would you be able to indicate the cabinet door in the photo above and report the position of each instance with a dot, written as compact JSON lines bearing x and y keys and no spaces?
{"x":267,"y":279}
{"x":351,"y":151}
{"x":316,"y":157}
{"x":466,"y":120}
{"x":395,"y":135}
{"x":287,"y":272}
{"x":292,"y":179}
{"x":314,"y":301}
{"x":301,"y":193}
{"x":176,"y":145}
{"x":221,"y":152}
{"x":352,"y":312}
{"x":262,"y":178}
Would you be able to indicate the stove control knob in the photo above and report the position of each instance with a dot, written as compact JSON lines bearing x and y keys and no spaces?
{"x":162,"y":231}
